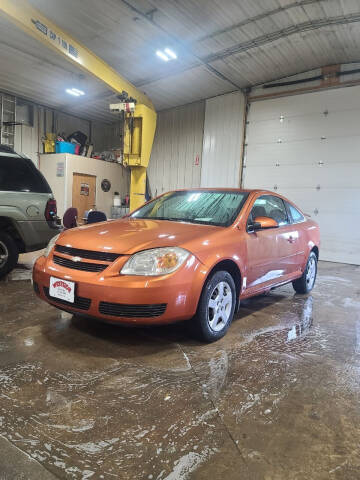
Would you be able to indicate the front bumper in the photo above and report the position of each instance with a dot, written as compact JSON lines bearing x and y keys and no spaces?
{"x":135,"y":300}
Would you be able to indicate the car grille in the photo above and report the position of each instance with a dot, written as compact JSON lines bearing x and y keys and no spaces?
{"x":86,"y":266}
{"x":89,"y":254}
{"x":79,"y":302}
{"x":132,"y":311}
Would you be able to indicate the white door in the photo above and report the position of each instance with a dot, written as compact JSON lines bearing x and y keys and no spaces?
{"x":307,"y":147}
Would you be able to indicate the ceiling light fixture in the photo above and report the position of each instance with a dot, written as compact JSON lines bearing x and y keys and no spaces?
{"x":166,"y":54}
{"x":75,"y":92}
{"x":170,"y":53}
{"x":162,"y":55}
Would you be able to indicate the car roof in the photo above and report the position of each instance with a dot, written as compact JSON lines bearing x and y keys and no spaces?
{"x":218,"y":189}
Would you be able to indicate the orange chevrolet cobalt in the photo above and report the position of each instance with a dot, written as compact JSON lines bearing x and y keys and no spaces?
{"x":186,"y":255}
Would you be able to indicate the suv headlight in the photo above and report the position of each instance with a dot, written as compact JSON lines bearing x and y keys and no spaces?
{"x":155,"y":261}
{"x":51,"y":245}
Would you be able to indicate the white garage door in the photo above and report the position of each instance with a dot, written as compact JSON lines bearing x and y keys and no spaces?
{"x":307,"y":147}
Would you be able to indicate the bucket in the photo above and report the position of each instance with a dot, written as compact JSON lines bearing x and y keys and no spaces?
{"x":65,"y":147}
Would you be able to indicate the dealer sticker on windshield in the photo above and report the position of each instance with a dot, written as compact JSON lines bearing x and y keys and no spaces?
{"x":62,"y":289}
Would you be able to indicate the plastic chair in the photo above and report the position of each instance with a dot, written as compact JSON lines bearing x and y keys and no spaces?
{"x":95,"y":216}
{"x":69,"y":218}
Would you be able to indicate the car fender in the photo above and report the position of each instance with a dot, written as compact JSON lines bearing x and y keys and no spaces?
{"x":210,"y":260}
{"x":12,"y":213}
{"x":312,"y":239}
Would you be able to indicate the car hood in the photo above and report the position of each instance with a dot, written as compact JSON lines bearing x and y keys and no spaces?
{"x":127,"y":236}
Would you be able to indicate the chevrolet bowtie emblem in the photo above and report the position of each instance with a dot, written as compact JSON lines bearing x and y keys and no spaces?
{"x":76,"y":259}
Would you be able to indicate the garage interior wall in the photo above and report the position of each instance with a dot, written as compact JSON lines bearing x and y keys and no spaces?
{"x":306,"y":147}
{"x":106,"y":136}
{"x":29,"y":135}
{"x":176,"y":155}
{"x":70,"y":164}
{"x":223,"y":138}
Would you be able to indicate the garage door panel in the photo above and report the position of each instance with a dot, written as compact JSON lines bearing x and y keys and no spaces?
{"x":289,"y":176}
{"x":321,"y":174}
{"x":336,"y":201}
{"x":305,"y":152}
{"x":330,"y":100}
{"x":312,"y":176}
{"x":336,"y":124}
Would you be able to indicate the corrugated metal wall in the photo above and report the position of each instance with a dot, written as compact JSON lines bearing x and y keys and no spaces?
{"x":69,"y":124}
{"x":176,"y":156}
{"x":106,"y":136}
{"x":28,"y":137}
{"x":223,"y":134}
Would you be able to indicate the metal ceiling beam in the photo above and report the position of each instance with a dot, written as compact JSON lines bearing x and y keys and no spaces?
{"x":149,"y":17}
{"x":31,"y":21}
{"x":256,"y":18}
{"x":263,"y":40}
{"x":285,"y":32}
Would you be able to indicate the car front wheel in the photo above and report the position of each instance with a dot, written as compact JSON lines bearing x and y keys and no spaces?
{"x":307,"y":281}
{"x":216,"y":307}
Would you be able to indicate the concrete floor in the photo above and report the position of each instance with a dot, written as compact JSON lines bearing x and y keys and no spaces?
{"x":276,"y":399}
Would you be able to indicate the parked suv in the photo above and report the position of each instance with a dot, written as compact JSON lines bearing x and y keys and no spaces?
{"x":27,"y":209}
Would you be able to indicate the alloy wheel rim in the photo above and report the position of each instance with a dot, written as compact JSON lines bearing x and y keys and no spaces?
{"x":311,"y":272}
{"x":220,"y":306}
{"x":4,"y":254}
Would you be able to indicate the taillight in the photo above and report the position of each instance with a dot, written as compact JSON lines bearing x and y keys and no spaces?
{"x":50,"y":210}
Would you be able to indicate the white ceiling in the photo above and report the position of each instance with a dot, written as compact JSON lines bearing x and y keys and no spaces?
{"x":222,"y":45}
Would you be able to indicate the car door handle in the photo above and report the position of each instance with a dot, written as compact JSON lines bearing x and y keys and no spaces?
{"x":291,"y":239}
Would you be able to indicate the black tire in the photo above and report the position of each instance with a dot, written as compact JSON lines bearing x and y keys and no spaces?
{"x":222,"y":314}
{"x":9,"y":254}
{"x":306,"y":282}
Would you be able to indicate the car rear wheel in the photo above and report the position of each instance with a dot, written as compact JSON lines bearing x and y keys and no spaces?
{"x":307,"y":281}
{"x":9,"y":254}
{"x":216,"y":307}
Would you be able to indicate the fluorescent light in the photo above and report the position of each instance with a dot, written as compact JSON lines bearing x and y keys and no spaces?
{"x":162,"y":55}
{"x":171,"y":53}
{"x":74,"y":91}
{"x":70,"y":91}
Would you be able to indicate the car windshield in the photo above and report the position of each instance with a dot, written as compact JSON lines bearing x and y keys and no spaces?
{"x":208,"y":207}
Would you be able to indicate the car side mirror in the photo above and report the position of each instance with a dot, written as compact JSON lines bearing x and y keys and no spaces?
{"x":262,"y":223}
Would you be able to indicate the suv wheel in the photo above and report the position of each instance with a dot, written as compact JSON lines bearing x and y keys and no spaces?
{"x":9,"y":254}
{"x":216,"y":307}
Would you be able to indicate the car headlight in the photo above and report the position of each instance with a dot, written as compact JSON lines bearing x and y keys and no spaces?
{"x":155,"y":261}
{"x":51,"y":245}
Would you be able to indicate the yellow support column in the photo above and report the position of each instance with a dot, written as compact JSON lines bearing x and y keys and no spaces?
{"x":137,"y":187}
{"x":137,"y":152}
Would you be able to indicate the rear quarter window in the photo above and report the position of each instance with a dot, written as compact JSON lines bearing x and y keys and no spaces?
{"x":295,"y":214}
{"x":19,"y":174}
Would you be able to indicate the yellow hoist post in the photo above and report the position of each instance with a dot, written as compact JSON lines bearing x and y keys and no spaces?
{"x":139,"y":138}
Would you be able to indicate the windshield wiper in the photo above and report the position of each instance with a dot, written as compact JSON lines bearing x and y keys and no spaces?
{"x":187,"y":220}
{"x":170,"y":219}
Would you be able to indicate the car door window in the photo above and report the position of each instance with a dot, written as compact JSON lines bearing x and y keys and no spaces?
{"x":272,"y":207}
